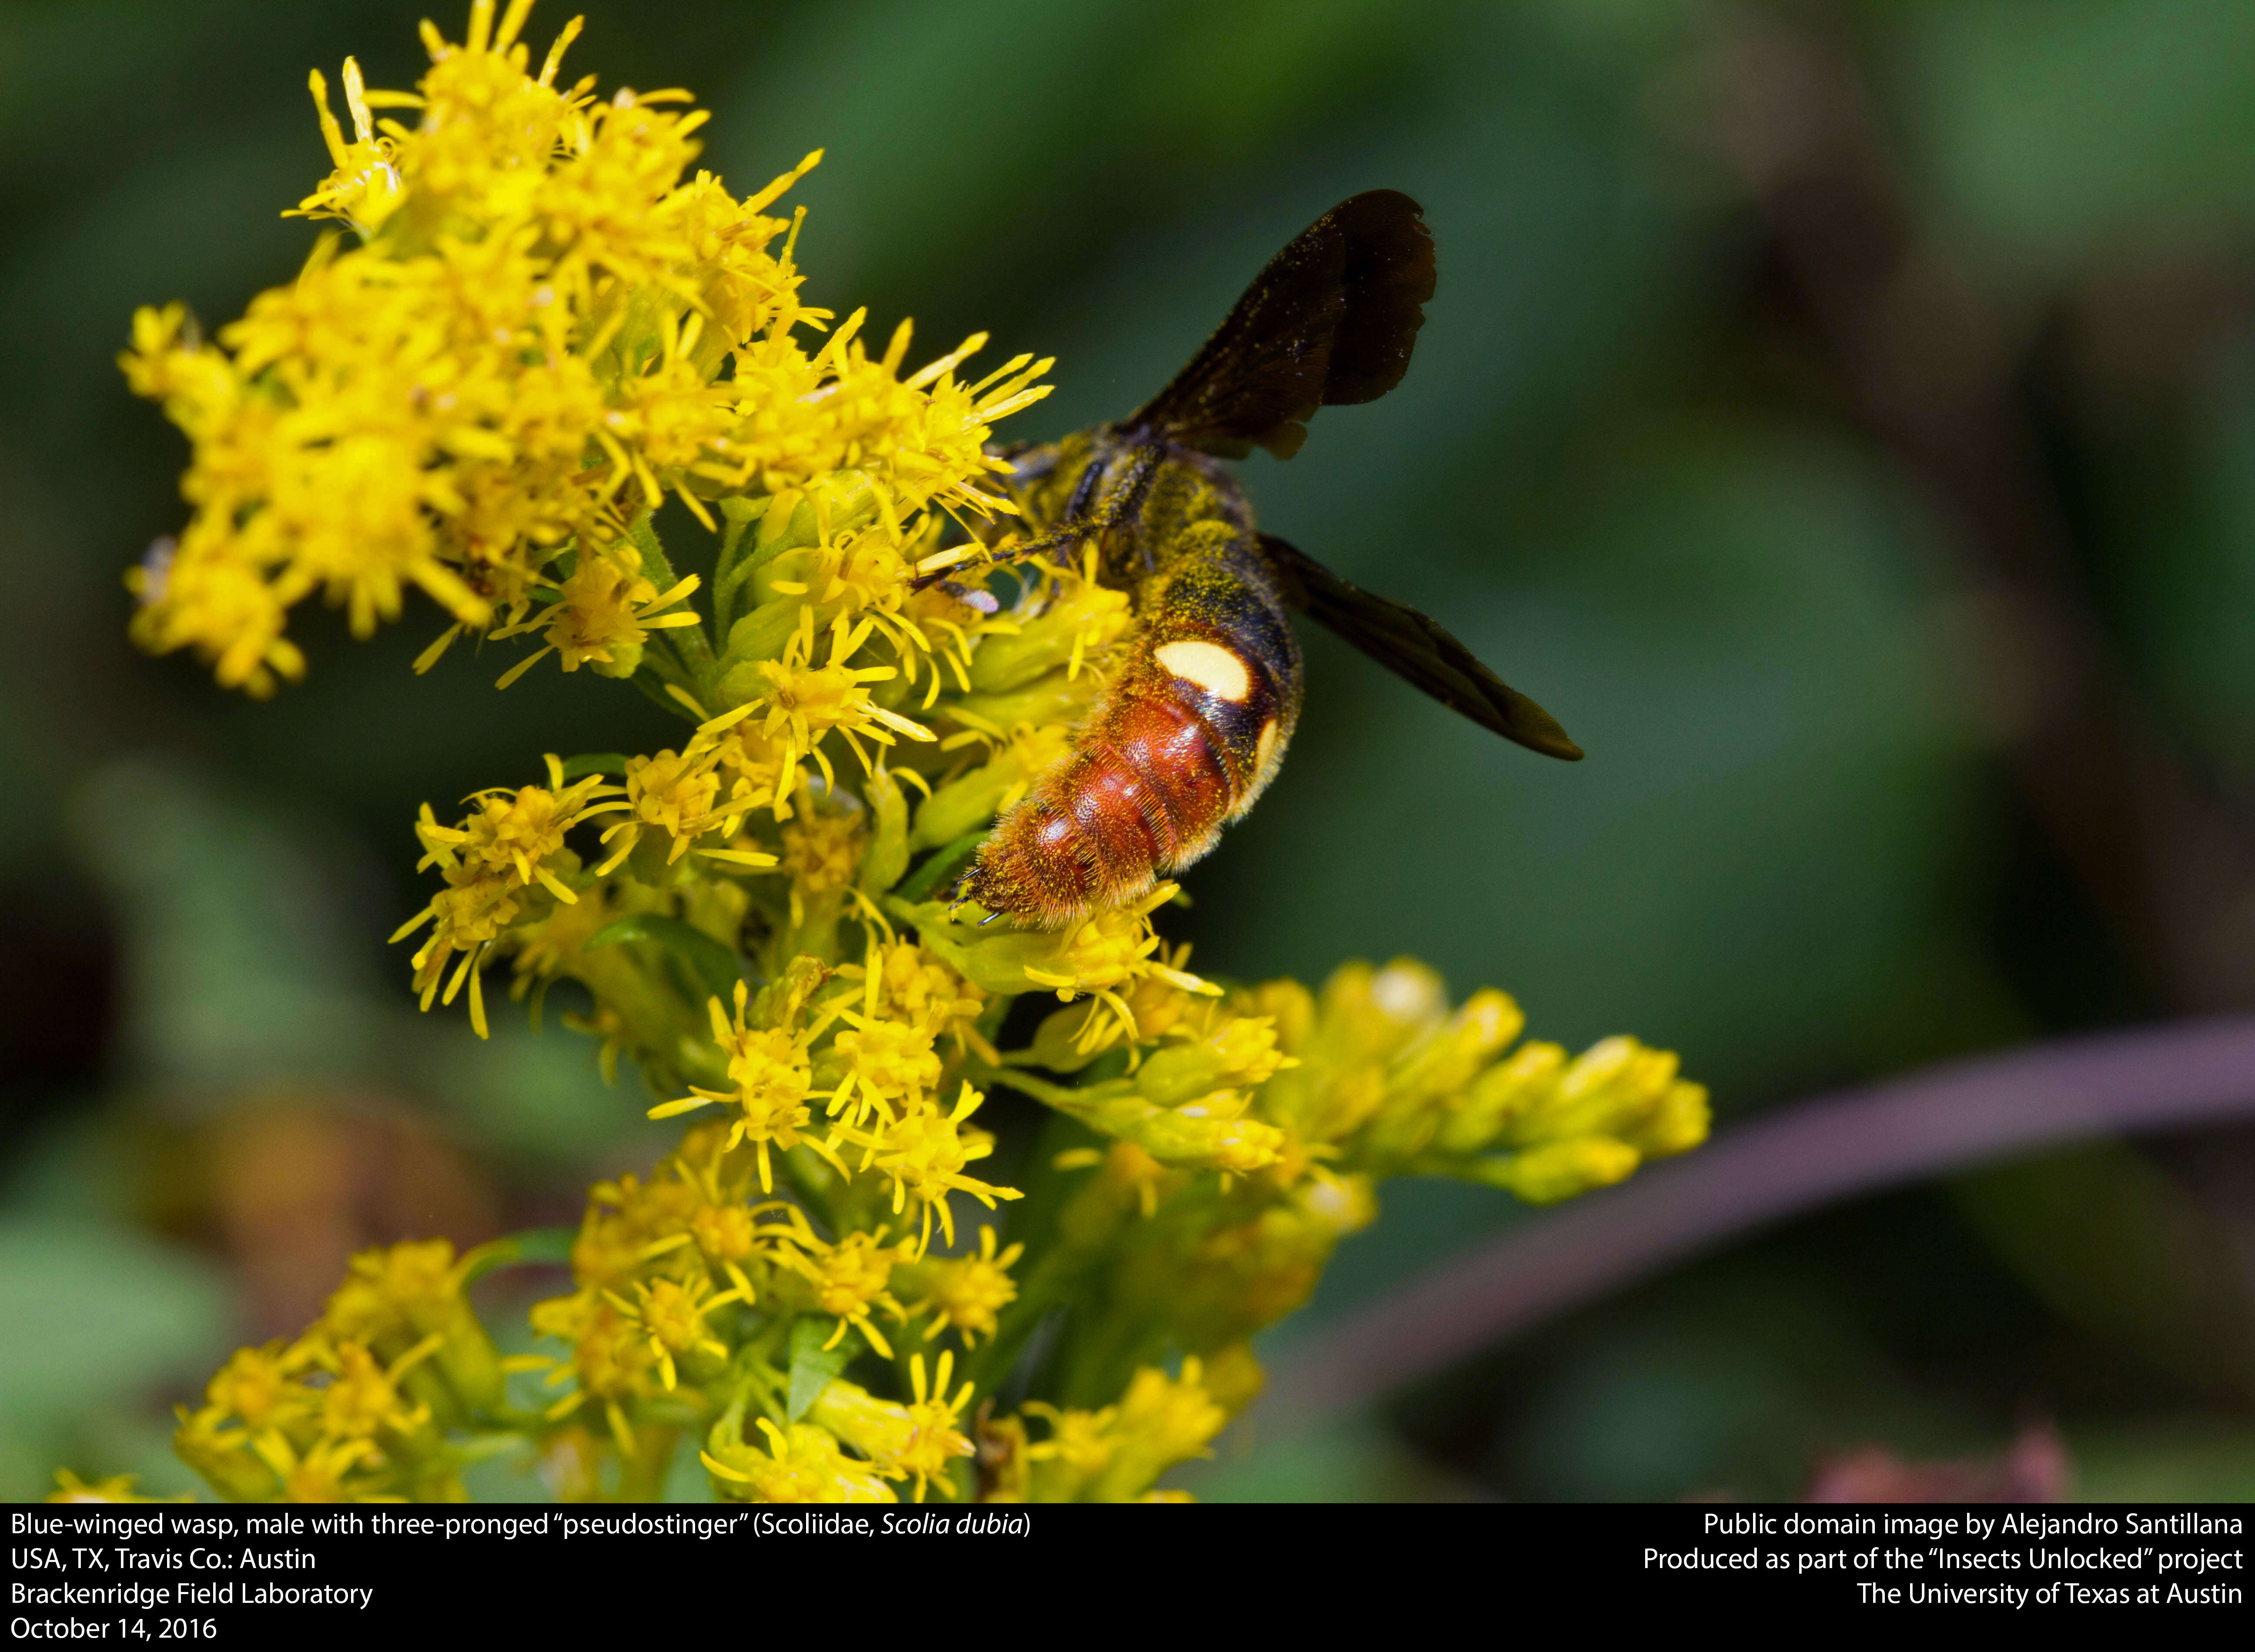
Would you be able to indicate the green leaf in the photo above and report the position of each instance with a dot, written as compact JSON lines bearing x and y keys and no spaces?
{"x":941,"y":867}
{"x":530,"y":1247}
{"x":594,"y":762}
{"x":812,"y":1367}
{"x":716,"y":965}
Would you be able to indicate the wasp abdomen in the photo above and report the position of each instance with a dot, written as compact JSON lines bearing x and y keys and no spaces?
{"x":1186,"y":740}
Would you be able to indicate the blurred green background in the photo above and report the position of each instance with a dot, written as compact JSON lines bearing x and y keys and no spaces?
{"x":1842,"y":416}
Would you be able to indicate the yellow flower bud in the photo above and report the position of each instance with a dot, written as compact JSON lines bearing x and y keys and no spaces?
{"x":1561,"y":1169}
{"x":1445,"y":1060}
{"x":1242,"y":1051}
{"x":1060,"y":699}
{"x":1510,"y":1090}
{"x":802,"y":1465}
{"x":1078,"y":623}
{"x":1678,"y":1120}
{"x":1232,"y":1377}
{"x":1367,"y":1015}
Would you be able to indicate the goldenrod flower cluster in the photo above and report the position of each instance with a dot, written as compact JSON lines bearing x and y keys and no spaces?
{"x":541,"y":330}
{"x":535,"y":329}
{"x":374,"y":1401}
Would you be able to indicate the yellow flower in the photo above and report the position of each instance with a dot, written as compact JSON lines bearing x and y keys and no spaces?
{"x":669,"y":793}
{"x":366,"y":185}
{"x":799,"y":703}
{"x":923,"y":1152}
{"x":754,"y":759}
{"x":628,"y":1221}
{"x":259,"y":1386}
{"x":599,"y":617}
{"x":967,"y":1292}
{"x":890,"y":1065}
{"x":770,"y":1075}
{"x":502,"y":866}
{"x":222,"y":610}
{"x":223,"y":1456}
{"x":1101,"y":957}
{"x":399,"y":1288}
{"x":405,"y":1301}
{"x":1073,"y":1036}
{"x":1114,"y":1454}
{"x":364,"y":1397}
{"x":1242,"y":1051}
{"x":915,"y":987}
{"x":1160,"y":1421}
{"x":1079,"y":1444}
{"x":846,"y":1279}
{"x":801,"y":1465}
{"x":726,"y":1233}
{"x":612,"y":1357}
{"x":821,"y":852}
{"x":673,"y":1316}
{"x":329,"y":1472}
{"x":922,"y":437}
{"x":918,"y":1439}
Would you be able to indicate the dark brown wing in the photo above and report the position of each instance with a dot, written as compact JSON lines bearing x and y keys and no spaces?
{"x":1418,"y":651}
{"x":1330,"y":322}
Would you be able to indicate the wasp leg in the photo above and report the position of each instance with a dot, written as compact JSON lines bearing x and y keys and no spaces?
{"x":957,"y":899}
{"x":995,"y":556}
{"x":1123,"y":505}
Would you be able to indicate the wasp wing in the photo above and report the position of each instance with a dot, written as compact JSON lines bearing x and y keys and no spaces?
{"x":1417,"y":650}
{"x":1330,"y":322}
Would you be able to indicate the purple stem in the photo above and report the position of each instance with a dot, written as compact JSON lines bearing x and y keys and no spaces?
{"x":1793,"y":1160}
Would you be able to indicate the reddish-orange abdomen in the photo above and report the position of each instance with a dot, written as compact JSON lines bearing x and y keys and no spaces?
{"x":1144,"y":789}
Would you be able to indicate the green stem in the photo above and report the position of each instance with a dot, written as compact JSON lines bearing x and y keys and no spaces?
{"x":727,"y":577}
{"x":651,"y":679}
{"x":687,"y":647}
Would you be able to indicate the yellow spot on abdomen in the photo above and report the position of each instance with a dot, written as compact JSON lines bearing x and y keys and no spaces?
{"x":1210,"y":666}
{"x":1266,"y":752}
